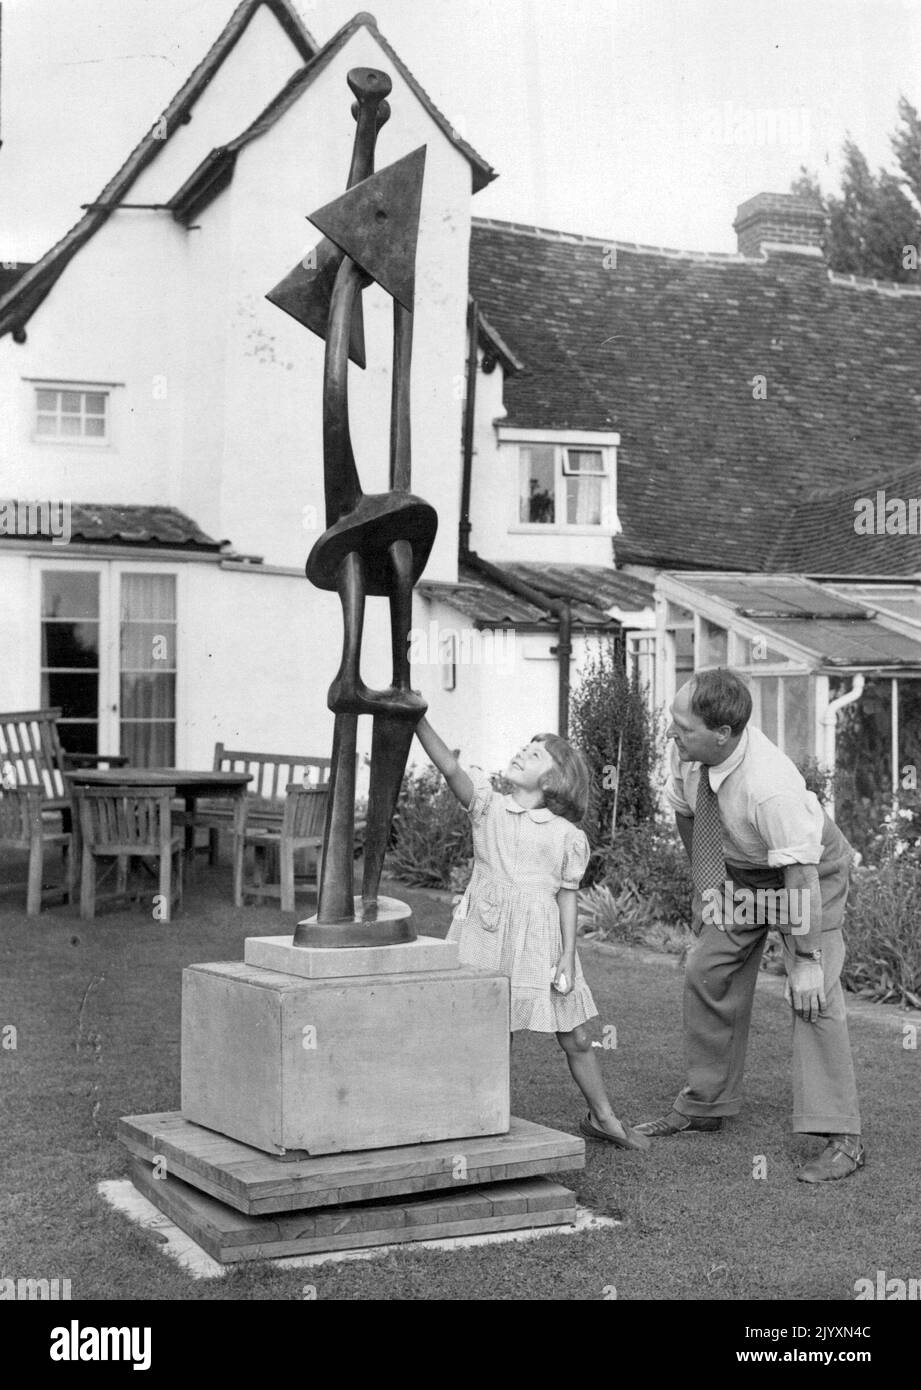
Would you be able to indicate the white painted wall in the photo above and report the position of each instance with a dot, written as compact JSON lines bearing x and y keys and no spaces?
{"x":505,"y":693}
{"x":257,"y":67}
{"x":496,"y":533}
{"x":272,"y":462}
{"x":256,"y":657}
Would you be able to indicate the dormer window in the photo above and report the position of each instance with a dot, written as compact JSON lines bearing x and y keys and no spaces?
{"x":566,"y":482}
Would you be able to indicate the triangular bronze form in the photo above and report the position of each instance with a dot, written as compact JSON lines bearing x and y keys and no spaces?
{"x":377,"y":224}
{"x":305,"y":293}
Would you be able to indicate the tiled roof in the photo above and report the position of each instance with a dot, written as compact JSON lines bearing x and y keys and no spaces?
{"x":591,"y":589}
{"x":216,"y":170}
{"x":832,"y":526}
{"x":18,"y":304}
{"x":91,"y":523}
{"x":664,"y":347}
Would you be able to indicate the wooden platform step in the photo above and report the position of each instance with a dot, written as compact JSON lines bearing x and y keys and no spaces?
{"x":257,"y":1183}
{"x":229,"y":1236}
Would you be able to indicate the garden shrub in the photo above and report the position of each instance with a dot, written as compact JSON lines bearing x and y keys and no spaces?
{"x":882,"y":932}
{"x":605,"y":705}
{"x":642,"y":882}
{"x":431,"y":833}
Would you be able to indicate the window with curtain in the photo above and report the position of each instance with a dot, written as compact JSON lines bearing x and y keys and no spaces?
{"x":583,"y":472}
{"x":561,"y":486}
{"x":147,"y":671}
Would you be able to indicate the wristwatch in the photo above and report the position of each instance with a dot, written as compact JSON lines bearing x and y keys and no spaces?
{"x":809,"y":955}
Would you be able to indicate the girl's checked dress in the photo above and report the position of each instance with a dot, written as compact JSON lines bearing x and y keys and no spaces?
{"x":508,"y":919}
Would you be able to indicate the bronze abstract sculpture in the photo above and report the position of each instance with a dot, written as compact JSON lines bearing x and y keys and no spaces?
{"x":377,"y":543}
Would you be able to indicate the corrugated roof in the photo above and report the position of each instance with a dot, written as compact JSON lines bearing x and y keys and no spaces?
{"x":92,"y":523}
{"x":597,"y":585}
{"x":487,"y":604}
{"x":665,"y":347}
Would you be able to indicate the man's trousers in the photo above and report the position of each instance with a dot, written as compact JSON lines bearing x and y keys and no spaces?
{"x":719,"y":989}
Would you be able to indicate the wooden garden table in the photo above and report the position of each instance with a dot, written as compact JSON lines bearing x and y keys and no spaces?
{"x":190,"y":785}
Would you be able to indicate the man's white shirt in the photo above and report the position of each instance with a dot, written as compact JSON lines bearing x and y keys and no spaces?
{"x":768,"y":814}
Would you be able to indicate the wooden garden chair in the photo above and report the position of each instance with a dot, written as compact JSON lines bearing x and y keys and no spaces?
{"x":271,"y":774}
{"x":31,"y":755}
{"x":128,"y":823}
{"x":301,"y":828}
{"x":24,"y":826}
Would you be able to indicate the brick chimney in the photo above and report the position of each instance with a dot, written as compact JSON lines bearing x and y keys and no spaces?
{"x":784,"y":218}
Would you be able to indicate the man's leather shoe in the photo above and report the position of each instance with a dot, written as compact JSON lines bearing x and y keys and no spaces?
{"x":842,"y":1156}
{"x":676,"y":1123}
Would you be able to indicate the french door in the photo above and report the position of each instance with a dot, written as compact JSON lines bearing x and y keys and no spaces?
{"x":108,"y":658}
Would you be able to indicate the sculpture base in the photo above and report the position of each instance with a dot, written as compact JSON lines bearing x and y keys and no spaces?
{"x":346,"y":1063}
{"x":280,"y":953}
{"x":229,"y":1237}
{"x":388,"y":922}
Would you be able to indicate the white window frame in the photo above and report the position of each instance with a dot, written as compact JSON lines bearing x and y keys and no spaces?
{"x":110,"y":576}
{"x":84,"y":388}
{"x":562,"y":441}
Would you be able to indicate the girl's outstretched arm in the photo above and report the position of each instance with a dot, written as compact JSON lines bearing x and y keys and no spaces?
{"x":445,"y":761}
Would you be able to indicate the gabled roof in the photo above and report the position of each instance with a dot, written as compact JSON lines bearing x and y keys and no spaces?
{"x":216,"y":170}
{"x":95,"y":523}
{"x":665,"y":347}
{"x":18,"y":304}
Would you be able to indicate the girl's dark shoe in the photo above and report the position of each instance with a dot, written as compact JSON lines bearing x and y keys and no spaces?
{"x":633,"y":1139}
{"x":675,"y":1123}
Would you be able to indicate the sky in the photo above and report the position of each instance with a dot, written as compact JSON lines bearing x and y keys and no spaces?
{"x":634,"y":120}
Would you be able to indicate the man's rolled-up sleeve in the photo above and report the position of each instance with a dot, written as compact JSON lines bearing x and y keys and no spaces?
{"x":674,"y":786}
{"x":791,"y":830}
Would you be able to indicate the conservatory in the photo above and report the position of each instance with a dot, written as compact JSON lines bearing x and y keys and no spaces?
{"x":833,"y":665}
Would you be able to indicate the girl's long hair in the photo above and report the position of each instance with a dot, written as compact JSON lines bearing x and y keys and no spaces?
{"x":566,"y":787}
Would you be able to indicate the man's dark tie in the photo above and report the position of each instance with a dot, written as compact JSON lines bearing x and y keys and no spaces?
{"x":708,"y":865}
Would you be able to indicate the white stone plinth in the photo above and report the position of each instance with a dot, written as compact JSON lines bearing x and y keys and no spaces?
{"x":329,"y":962}
{"x":336,"y":1065}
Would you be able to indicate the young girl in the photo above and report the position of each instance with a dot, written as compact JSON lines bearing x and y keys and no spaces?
{"x":518,"y":915}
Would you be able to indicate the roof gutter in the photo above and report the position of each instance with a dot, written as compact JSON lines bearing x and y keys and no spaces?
{"x":557,"y":608}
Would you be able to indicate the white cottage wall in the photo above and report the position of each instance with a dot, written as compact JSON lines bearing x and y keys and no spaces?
{"x":272,"y":488}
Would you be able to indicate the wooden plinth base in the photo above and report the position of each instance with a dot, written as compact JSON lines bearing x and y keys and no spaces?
{"x":257,"y":1184}
{"x":229,"y":1236}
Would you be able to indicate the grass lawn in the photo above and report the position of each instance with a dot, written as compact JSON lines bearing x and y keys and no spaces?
{"x":96,"y":1007}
